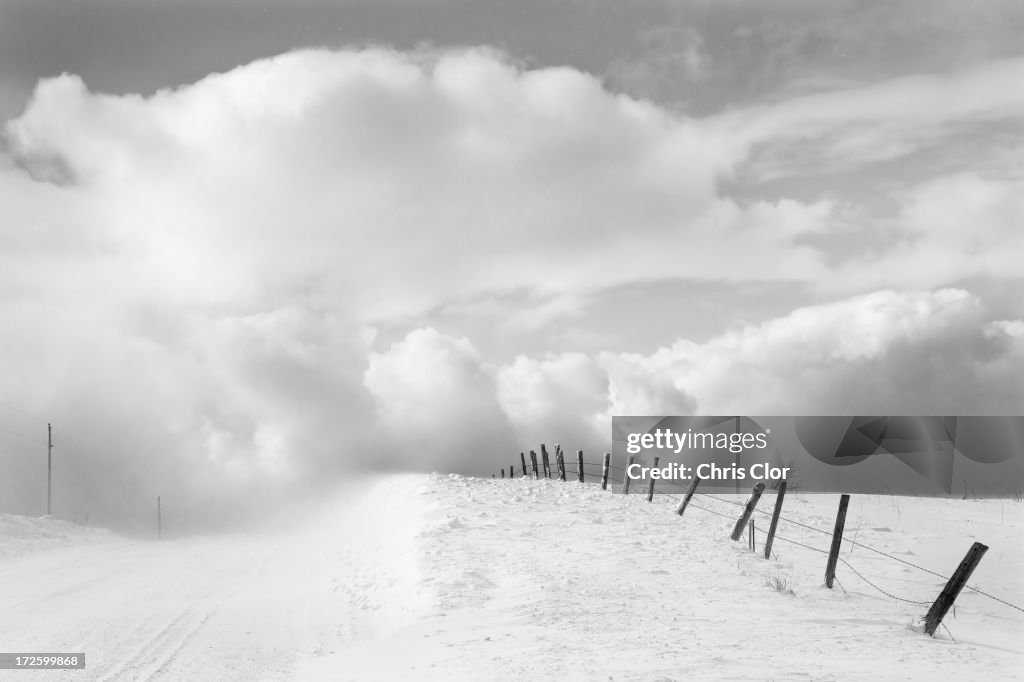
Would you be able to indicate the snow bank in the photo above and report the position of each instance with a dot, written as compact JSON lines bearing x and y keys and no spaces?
{"x":24,"y":534}
{"x":547,"y":580}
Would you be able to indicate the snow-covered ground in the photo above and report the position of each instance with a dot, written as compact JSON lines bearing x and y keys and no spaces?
{"x":414,"y":577}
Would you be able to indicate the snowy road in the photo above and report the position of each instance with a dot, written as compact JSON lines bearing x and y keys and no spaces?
{"x":218,"y":608}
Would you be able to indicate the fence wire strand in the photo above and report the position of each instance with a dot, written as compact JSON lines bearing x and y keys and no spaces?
{"x":619,"y":481}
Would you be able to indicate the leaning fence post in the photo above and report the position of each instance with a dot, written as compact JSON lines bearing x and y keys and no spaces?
{"x":689,"y":495}
{"x":625,"y":475}
{"x":604,"y":470}
{"x":737,"y":531}
{"x":533,"y":460}
{"x":775,"y":520}
{"x":952,"y":589}
{"x":650,"y":488}
{"x":545,"y":462}
{"x":579,"y":466}
{"x":837,"y":541}
{"x":522,"y":458}
{"x":750,"y":532}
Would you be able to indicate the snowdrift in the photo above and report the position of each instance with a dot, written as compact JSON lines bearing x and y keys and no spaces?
{"x":24,"y":534}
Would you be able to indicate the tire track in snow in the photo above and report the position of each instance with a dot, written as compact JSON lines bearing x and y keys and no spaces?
{"x":160,"y":650}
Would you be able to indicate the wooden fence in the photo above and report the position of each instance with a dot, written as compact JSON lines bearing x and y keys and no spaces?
{"x":602,"y":473}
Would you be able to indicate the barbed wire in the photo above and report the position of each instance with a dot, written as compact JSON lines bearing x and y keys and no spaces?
{"x":815,"y":549}
{"x":892,"y":596}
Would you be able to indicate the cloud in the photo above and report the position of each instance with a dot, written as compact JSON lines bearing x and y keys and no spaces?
{"x":321,"y":170}
{"x":572,"y":396}
{"x":933,"y":352}
{"x":192,"y":282}
{"x":441,"y":406}
{"x":887,"y":352}
{"x":952,"y":227}
{"x":311,"y":167}
{"x":436,"y":406}
{"x":561,"y":396}
{"x":854,"y":126}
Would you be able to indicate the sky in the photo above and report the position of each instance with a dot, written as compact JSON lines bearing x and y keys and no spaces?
{"x":250,"y":248}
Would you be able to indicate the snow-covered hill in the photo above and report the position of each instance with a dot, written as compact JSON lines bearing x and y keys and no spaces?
{"x":448,"y":578}
{"x":25,"y":534}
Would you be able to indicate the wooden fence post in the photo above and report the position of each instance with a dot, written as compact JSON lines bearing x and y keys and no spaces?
{"x":522,"y":458}
{"x":625,"y":476}
{"x":737,"y":530}
{"x":579,"y":466}
{"x":689,"y":495}
{"x":503,"y":472}
{"x":560,"y":461}
{"x":750,"y":533}
{"x":775,"y":520}
{"x":533,"y":460}
{"x":837,"y":541}
{"x":545,"y":462}
{"x":952,"y":589}
{"x":650,"y":488}
{"x":604,"y":470}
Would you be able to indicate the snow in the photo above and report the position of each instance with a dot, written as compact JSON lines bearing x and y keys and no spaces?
{"x":415,"y":577}
{"x":23,"y":534}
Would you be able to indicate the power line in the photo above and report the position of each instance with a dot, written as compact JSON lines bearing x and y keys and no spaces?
{"x":22,"y":412}
{"x":63,"y":434}
{"x":22,"y":436}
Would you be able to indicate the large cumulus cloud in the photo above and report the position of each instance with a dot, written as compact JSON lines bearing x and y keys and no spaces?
{"x":193,"y":283}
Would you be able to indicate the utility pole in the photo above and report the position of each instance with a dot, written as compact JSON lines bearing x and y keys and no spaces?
{"x":49,"y":469}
